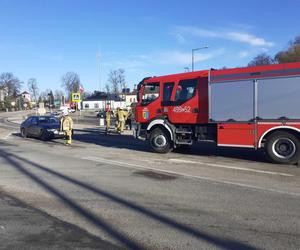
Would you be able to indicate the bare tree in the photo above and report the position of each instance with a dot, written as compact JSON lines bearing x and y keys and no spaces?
{"x":107,"y":88}
{"x":58,"y":94}
{"x":121,"y":79}
{"x":71,"y":82}
{"x":33,"y":88}
{"x":12,"y":83}
{"x":44,"y":96}
{"x":116,"y":78}
{"x":51,"y":98}
{"x":113,"y":80}
{"x":85,"y":95}
{"x":261,"y":59}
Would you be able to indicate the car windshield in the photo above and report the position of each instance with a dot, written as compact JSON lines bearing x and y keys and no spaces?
{"x":46,"y":119}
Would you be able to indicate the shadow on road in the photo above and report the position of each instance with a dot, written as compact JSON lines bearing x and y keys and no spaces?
{"x":51,"y":233}
{"x":199,"y":149}
{"x":115,"y":140}
{"x":15,"y":160}
{"x":94,"y":219}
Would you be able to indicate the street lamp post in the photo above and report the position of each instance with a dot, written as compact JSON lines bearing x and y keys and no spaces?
{"x":98,"y":57}
{"x":50,"y":97}
{"x":193,"y":51}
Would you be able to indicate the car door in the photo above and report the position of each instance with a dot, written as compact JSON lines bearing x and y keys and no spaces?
{"x":25,"y":125}
{"x":33,"y":127}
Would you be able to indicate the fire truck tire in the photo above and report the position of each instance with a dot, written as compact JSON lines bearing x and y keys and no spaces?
{"x":283,"y":148}
{"x":160,"y":141}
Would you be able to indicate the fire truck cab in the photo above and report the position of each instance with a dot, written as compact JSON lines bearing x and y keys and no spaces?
{"x":253,"y":107}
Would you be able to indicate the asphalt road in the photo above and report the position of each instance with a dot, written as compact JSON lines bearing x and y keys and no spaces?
{"x":115,"y":189}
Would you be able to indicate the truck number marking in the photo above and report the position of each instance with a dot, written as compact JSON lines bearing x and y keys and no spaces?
{"x":179,"y":109}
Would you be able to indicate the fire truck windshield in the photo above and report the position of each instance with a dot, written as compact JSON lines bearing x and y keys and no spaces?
{"x":150,"y":93}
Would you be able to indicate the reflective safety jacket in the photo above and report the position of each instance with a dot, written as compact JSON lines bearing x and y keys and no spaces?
{"x":66,"y":123}
{"x":122,"y":115}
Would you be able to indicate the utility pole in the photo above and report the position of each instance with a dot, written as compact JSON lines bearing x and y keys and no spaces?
{"x":98,"y":57}
{"x":193,"y":51}
{"x":49,"y":94}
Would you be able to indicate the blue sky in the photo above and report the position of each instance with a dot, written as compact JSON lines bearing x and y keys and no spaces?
{"x":45,"y":39}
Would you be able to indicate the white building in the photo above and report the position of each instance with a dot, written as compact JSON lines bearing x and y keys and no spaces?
{"x":26,"y":96}
{"x":130,"y":99}
{"x":3,"y":93}
{"x":102,"y":104}
{"x":99,"y":101}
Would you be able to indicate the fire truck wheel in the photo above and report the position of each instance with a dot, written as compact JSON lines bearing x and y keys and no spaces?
{"x":283,"y":148}
{"x":160,"y":141}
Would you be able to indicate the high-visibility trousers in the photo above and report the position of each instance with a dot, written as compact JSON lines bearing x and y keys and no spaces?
{"x":121,"y":125}
{"x":68,"y":134}
{"x":107,"y":124}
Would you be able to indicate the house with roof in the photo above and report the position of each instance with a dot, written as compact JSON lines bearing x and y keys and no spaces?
{"x":100,"y":100}
{"x":26,"y":97}
{"x":130,"y":98}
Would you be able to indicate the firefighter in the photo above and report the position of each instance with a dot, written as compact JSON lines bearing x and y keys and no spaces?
{"x":129,"y":119}
{"x":107,"y":118}
{"x":121,"y":114}
{"x":117,"y":118}
{"x":67,"y":126}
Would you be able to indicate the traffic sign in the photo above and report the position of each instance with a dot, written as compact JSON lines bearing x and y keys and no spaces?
{"x":76,"y":97}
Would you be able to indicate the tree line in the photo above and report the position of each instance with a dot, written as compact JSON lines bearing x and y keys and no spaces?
{"x":11,"y":85}
{"x":290,"y":54}
{"x":10,"y":90}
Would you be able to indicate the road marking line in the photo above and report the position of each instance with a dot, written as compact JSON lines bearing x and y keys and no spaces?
{"x":3,"y":125}
{"x":135,"y":166}
{"x":230,"y":167}
{"x":7,"y":136}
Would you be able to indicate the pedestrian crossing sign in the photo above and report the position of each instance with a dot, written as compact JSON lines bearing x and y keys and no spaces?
{"x":76,"y":97}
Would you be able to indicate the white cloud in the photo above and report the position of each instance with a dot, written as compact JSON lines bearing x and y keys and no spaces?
{"x":244,"y":54}
{"x":248,"y":38}
{"x":181,"y":58}
{"x":179,"y":37}
{"x":160,"y":59}
{"x":239,"y":36}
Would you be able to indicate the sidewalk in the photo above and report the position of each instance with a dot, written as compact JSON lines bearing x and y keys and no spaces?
{"x":24,"y":227}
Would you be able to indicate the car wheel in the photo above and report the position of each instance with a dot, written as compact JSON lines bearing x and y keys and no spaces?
{"x":45,"y":135}
{"x":23,"y":133}
{"x":283,"y":148}
{"x":160,"y":141}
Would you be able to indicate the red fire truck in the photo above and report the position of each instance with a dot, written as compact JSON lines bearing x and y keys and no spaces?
{"x":253,"y":107}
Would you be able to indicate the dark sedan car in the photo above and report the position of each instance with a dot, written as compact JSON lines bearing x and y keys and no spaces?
{"x":43,"y":127}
